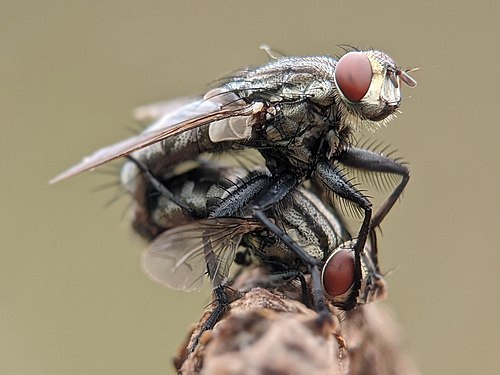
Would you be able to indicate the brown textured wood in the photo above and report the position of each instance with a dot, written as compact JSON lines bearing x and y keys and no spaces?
{"x":269,"y":331}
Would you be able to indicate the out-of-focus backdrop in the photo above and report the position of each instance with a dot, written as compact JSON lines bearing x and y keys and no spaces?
{"x":73,"y":298}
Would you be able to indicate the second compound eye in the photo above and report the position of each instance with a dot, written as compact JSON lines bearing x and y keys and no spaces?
{"x":353,"y":75}
{"x":338,"y":273}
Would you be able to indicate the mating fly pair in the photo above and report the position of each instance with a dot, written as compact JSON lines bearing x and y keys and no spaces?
{"x":188,"y":243}
{"x":300,"y":114}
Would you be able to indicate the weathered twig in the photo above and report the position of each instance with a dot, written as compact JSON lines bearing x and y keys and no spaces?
{"x":268,"y":331}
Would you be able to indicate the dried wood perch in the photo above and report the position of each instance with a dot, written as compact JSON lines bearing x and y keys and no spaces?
{"x":267,"y":331}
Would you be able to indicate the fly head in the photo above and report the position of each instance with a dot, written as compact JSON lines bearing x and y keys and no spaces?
{"x":369,"y":86}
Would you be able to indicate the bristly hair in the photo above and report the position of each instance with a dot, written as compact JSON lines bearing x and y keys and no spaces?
{"x":346,"y":207}
{"x":115,"y":184}
{"x":346,"y":48}
{"x":382,"y":182}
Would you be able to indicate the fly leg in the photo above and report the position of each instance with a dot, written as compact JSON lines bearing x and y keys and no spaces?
{"x":221,"y":301}
{"x":374,"y":162}
{"x":271,"y":192}
{"x":230,"y":206}
{"x":336,"y":182}
{"x":161,"y":188}
{"x":280,"y":277}
{"x":311,"y":263}
{"x":283,"y":275}
{"x":221,"y":298}
{"x":281,"y":187}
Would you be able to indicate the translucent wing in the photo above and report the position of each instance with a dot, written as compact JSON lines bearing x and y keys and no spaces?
{"x":217,"y":105}
{"x":179,"y":258}
{"x":149,"y":113}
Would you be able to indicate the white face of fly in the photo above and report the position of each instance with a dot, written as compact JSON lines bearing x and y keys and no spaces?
{"x":369,"y":86}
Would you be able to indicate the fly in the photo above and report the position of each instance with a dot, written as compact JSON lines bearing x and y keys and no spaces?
{"x":187,"y":247}
{"x":299,"y":113}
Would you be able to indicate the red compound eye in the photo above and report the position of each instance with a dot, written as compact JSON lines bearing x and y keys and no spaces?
{"x":353,"y":75}
{"x":338,"y":273}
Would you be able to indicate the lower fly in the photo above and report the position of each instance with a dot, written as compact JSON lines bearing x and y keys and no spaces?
{"x":187,"y":245}
{"x":300,"y":115}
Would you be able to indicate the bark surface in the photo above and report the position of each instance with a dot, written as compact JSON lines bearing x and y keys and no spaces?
{"x":270,"y":331}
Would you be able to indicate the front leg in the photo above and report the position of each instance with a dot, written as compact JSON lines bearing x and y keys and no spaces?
{"x":336,"y":182}
{"x":374,"y":162}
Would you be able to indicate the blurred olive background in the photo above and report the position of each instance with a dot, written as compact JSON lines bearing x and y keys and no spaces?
{"x":73,"y":298}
